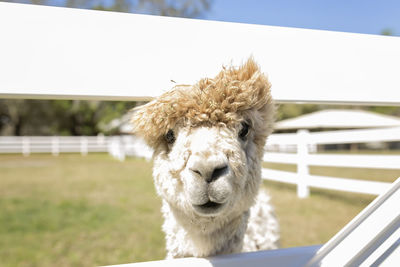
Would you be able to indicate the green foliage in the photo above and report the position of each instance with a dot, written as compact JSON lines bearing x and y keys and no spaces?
{"x":78,"y":117}
{"x":388,"y":32}
{"x":58,"y":117}
{"x":394,"y":111}
{"x":173,"y":8}
{"x":286,"y":111}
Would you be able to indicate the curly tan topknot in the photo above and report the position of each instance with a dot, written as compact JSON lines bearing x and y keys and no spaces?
{"x":222,"y":100}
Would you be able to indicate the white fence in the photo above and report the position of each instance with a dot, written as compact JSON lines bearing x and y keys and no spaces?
{"x":305,"y":141}
{"x":117,"y":146}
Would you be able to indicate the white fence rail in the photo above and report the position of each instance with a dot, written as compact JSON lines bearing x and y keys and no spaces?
{"x":340,"y":137}
{"x":117,"y":146}
{"x":53,"y":144}
{"x":303,"y":142}
{"x":351,"y":67}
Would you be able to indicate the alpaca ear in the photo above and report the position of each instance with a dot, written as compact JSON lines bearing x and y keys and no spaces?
{"x":138,"y":121}
{"x":153,"y":120}
{"x":148,"y":123}
{"x":259,"y":96}
{"x":256,"y":83}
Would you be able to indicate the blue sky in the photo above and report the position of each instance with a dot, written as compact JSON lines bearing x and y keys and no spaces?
{"x":359,"y":16}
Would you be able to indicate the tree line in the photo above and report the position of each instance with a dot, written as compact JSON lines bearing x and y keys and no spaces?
{"x":59,"y":117}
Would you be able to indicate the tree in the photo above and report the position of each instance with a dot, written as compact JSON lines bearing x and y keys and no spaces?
{"x":173,"y":8}
{"x":58,"y":117}
{"x":18,"y":115}
{"x":387,"y":32}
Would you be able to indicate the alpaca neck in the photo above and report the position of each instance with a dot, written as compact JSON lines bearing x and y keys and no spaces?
{"x":202,"y":237}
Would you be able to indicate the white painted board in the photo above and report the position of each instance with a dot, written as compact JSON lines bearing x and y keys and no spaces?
{"x":50,"y":52}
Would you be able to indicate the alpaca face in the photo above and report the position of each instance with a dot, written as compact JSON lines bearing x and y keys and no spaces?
{"x":208,"y":140}
{"x":208,"y":171}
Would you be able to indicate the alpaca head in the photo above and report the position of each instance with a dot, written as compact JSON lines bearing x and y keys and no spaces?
{"x":208,"y":141}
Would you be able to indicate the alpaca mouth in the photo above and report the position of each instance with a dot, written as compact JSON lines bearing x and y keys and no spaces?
{"x":209,"y":207}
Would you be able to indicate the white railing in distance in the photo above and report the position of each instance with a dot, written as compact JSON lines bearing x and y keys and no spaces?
{"x":326,"y":182}
{"x":117,"y":146}
{"x":339,"y":137}
{"x":377,"y":161}
{"x":303,"y":141}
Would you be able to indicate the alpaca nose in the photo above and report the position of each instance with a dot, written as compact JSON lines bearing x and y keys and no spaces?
{"x":213,"y":175}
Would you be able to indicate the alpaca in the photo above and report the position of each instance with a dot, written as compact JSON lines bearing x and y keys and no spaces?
{"x":208,"y":142}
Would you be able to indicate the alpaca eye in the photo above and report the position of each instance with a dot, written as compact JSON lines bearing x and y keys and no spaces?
{"x":170,"y":137}
{"x":244,"y":131}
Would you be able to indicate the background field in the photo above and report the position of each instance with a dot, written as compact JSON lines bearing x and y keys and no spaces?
{"x":83,"y":211}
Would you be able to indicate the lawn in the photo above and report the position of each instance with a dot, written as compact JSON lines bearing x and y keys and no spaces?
{"x":93,"y":210}
{"x":77,"y":211}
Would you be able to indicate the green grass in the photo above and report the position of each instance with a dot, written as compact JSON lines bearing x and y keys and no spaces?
{"x":77,"y":211}
{"x":316,"y":219}
{"x":83,"y":211}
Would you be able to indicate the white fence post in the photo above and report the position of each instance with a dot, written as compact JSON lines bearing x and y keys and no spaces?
{"x":26,"y":146}
{"x":55,"y":146}
{"x":121,"y":150}
{"x":116,"y":148}
{"x":303,"y":190}
{"x":100,"y":139}
{"x":84,"y":145}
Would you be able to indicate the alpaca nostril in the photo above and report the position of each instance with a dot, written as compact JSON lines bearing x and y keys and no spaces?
{"x":196,"y":171}
{"x":208,"y":170}
{"x":218,"y":172}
